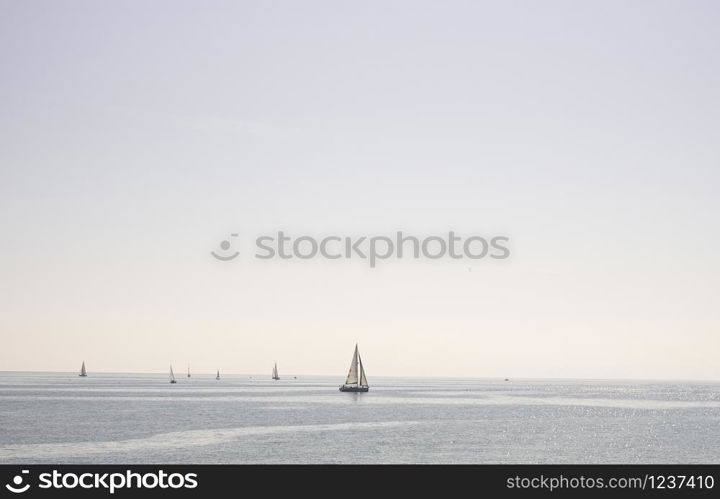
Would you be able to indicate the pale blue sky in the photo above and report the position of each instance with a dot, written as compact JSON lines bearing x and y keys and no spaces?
{"x":136,"y":135}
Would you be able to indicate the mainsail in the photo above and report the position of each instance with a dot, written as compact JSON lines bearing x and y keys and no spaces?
{"x":352,"y":377}
{"x":172,"y":375}
{"x":275,"y":372}
{"x":83,"y":371}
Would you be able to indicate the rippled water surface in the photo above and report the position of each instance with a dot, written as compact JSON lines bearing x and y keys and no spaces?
{"x":133,"y":418}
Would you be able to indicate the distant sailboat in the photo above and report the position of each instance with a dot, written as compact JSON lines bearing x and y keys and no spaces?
{"x":356,"y":380}
{"x":188,"y":370}
{"x":172,"y":376}
{"x":275,"y":373}
{"x":218,"y":374}
{"x":83,"y":371}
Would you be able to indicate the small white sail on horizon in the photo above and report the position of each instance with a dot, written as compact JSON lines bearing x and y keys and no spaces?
{"x":83,"y":371}
{"x":218,"y":374}
{"x":356,"y":380}
{"x":172,"y":375}
{"x":275,"y":373}
{"x":188,"y":370}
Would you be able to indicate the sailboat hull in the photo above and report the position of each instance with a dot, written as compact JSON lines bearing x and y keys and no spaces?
{"x":83,"y":375}
{"x":345,"y":388}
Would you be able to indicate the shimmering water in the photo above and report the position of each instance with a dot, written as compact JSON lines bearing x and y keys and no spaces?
{"x":133,"y":418}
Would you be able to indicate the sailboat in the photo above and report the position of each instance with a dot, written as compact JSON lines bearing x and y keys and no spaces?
{"x":356,"y":380}
{"x":188,"y":370}
{"x":83,"y":371}
{"x":275,"y":373}
{"x":172,"y":376}
{"x":218,"y":374}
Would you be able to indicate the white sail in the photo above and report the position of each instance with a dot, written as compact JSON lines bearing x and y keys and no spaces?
{"x":275,"y":372}
{"x":83,"y":372}
{"x":352,"y":377}
{"x":218,"y":374}
{"x":363,"y":379}
{"x":172,"y":374}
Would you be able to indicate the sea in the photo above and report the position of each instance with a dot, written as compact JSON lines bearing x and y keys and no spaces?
{"x":55,"y":418}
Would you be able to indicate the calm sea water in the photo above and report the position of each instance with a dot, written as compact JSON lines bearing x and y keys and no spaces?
{"x":132,"y":418}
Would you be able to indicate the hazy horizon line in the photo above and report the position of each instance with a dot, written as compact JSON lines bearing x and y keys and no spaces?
{"x":501,"y":378}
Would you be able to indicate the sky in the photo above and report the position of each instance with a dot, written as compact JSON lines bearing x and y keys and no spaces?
{"x":135,"y":136}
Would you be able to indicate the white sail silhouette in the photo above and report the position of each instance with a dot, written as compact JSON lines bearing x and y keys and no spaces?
{"x":352,"y":377}
{"x":83,"y":371}
{"x":363,"y":379}
{"x":275,"y":372}
{"x":172,"y":376}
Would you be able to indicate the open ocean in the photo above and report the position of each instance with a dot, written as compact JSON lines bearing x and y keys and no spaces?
{"x":141,"y":418}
